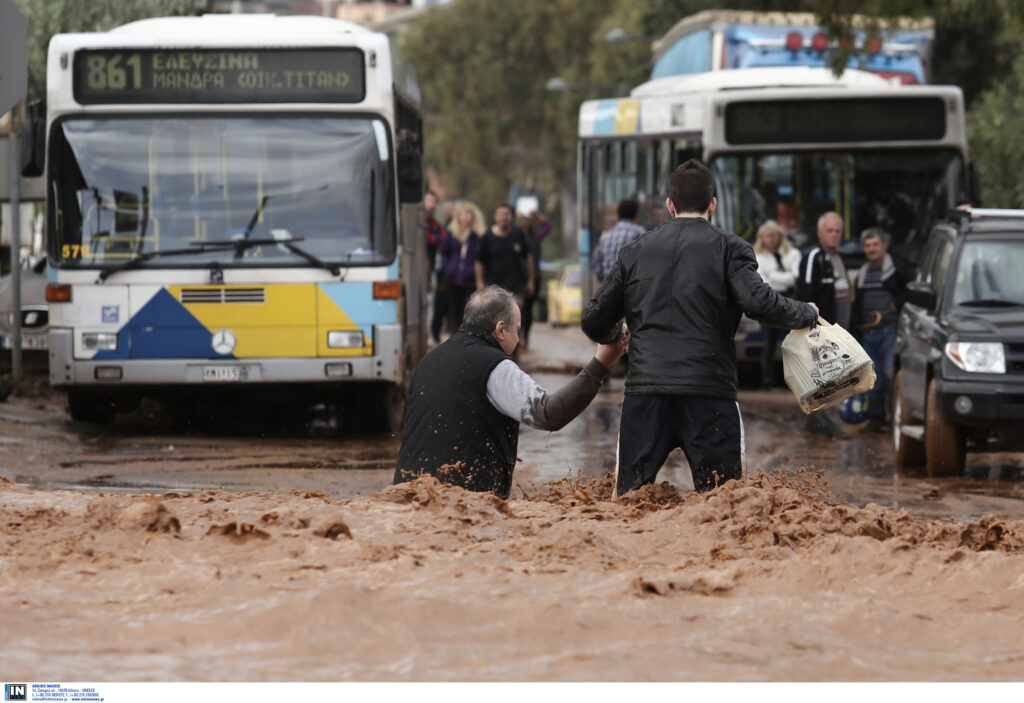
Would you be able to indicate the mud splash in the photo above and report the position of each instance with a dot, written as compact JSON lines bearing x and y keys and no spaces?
{"x":769,"y":579}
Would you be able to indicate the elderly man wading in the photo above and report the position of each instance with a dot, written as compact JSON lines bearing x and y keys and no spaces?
{"x":467,"y":398}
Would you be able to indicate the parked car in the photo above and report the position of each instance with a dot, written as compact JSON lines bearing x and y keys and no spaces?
{"x":35,"y":321}
{"x":959,"y":354}
{"x":565,"y":297}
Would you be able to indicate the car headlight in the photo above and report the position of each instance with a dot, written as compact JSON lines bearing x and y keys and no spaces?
{"x":977,"y":357}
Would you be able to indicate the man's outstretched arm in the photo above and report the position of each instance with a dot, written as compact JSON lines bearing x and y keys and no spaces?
{"x":513,"y":392}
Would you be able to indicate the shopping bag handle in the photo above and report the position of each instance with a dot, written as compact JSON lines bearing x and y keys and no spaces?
{"x":821,"y":321}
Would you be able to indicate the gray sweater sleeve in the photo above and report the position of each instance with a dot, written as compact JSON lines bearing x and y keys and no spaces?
{"x":515,"y":394}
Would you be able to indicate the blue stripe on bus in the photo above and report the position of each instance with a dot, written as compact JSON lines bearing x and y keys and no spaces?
{"x":356,"y":301}
{"x":163,"y":329}
{"x":604,"y":116}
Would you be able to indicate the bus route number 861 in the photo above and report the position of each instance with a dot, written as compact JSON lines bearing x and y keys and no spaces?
{"x":106,"y":72}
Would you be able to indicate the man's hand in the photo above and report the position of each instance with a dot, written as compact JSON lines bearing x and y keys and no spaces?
{"x":608,"y":354}
{"x":816,"y":310}
{"x":529,"y":289}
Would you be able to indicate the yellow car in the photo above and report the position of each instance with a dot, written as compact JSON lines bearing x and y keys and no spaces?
{"x":565,"y":299}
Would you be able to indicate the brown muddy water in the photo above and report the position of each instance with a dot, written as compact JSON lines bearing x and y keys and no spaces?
{"x":123,"y":560}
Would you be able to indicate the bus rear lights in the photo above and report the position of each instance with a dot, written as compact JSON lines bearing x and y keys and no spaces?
{"x":108,"y":373}
{"x":99,"y":341}
{"x":338,"y":370}
{"x":794,"y":41}
{"x":58,"y":293}
{"x":387,"y":290}
{"x":819,"y":42}
{"x":345,"y":340}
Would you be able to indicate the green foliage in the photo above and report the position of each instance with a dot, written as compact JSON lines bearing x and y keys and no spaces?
{"x":49,"y":17}
{"x":482,"y":66}
{"x":995,"y":129}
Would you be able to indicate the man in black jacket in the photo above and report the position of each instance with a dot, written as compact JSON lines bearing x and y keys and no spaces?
{"x":823,"y":280}
{"x":467,"y":398}
{"x":682,"y":289}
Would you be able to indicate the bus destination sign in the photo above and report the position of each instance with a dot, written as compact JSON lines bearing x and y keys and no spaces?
{"x":330,"y":75}
{"x":836,"y":120}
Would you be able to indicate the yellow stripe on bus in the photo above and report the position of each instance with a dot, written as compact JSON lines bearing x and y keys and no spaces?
{"x":627,"y":117}
{"x":331,"y":317}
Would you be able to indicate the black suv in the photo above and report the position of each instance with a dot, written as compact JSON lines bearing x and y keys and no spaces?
{"x":959,"y":354}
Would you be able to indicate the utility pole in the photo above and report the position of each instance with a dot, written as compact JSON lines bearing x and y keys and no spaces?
{"x":13,"y":77}
{"x":14,"y":167}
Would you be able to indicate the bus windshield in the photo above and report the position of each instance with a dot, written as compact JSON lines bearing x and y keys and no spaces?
{"x":904,"y":191}
{"x":164,"y":191}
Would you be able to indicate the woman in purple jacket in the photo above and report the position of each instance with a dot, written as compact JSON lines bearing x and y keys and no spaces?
{"x":458,"y":253}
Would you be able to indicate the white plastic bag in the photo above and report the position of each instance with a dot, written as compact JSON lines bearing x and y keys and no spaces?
{"x":824,"y":365}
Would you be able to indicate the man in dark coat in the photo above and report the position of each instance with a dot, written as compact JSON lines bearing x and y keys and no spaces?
{"x":682,"y":289}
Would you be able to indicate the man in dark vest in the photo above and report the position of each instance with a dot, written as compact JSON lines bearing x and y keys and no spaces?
{"x":467,"y":398}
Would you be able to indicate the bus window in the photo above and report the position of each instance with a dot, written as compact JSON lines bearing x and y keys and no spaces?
{"x":902,"y":191}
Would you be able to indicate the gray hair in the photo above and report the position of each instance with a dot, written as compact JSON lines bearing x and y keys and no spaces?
{"x":489,"y":306}
{"x":830,"y":213}
{"x":872,"y":232}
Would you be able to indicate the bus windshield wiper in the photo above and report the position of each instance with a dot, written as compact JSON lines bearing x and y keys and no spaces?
{"x":991,"y":303}
{"x":240,"y":245}
{"x":196,"y":248}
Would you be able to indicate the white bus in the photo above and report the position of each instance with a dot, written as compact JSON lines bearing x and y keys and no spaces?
{"x":223,"y":213}
{"x":787,"y":144}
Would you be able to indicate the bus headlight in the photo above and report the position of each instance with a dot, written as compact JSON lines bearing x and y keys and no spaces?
{"x":99,"y":341}
{"x":344,"y":340}
{"x":978,"y":357}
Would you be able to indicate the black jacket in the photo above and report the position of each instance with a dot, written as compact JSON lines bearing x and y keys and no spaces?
{"x":451,"y":430}
{"x":682,"y":288}
{"x":816,"y":284}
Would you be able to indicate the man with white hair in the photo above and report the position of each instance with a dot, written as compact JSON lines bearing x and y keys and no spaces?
{"x":823,"y":281}
{"x":467,"y":398}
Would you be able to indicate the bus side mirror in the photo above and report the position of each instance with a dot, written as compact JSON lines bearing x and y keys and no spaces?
{"x":410,"y":177}
{"x":33,"y":144}
{"x":921,"y":294}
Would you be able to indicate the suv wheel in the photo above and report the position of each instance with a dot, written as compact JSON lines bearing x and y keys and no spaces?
{"x":943,"y":441}
{"x":909,"y":451}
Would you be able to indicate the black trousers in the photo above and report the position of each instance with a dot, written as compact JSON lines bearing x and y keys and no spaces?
{"x":771,"y":340}
{"x":440,"y":307}
{"x":708,"y":430}
{"x":458,"y":296}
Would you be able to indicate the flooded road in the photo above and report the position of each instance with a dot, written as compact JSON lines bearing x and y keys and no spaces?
{"x":124,"y":561}
{"x":235,"y":450}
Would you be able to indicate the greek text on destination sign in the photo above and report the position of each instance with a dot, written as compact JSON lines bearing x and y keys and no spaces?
{"x":329,"y":75}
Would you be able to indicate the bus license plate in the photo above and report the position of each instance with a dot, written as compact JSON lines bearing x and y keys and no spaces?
{"x":35,"y":341}
{"x":28,"y":341}
{"x":225,"y":373}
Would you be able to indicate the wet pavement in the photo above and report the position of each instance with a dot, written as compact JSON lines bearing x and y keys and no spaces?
{"x":149,"y":452}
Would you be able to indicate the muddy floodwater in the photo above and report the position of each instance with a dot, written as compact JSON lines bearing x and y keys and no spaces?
{"x":238,"y":548}
{"x":242,"y":449}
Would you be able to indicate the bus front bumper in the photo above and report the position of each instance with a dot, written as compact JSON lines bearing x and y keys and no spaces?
{"x":66,"y":371}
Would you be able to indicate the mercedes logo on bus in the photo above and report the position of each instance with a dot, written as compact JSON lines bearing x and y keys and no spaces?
{"x":224,"y":341}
